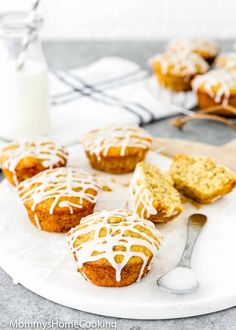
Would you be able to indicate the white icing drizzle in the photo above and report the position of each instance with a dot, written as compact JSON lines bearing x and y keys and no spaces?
{"x":98,"y":142}
{"x":48,"y":152}
{"x":180,"y":63}
{"x":217,"y":83}
{"x":226,"y":61}
{"x":59,"y":184}
{"x":118,"y":233}
{"x":193,"y":45}
{"x":36,"y":219}
{"x":140,"y":195}
{"x":141,"y":199}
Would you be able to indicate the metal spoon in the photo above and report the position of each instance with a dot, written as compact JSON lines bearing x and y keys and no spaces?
{"x":183,"y":273}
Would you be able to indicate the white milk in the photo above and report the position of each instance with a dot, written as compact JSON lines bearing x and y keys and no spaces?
{"x":24,"y":100}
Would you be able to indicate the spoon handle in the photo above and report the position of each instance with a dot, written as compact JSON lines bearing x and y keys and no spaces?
{"x":195,"y":224}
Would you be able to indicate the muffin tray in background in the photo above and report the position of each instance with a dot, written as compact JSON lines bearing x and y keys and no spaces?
{"x":42,"y":263}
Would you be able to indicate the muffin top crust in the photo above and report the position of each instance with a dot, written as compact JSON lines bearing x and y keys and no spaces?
{"x":117,"y":236}
{"x":179,"y":63}
{"x":203,"y":47}
{"x":116,"y":141}
{"x":219,"y":84}
{"x":59,"y":190}
{"x":23,"y":153}
{"x":226,"y":61}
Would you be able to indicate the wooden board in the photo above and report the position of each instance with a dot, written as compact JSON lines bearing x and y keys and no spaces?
{"x":225,"y":154}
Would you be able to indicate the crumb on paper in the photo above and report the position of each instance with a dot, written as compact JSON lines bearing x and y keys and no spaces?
{"x":104,"y":185}
{"x":123,"y":184}
{"x":106,"y":188}
{"x":94,"y":174}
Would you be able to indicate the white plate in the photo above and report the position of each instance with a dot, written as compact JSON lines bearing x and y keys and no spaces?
{"x":42,"y":263}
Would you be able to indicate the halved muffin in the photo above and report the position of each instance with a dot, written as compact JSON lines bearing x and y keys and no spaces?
{"x":116,"y":149}
{"x":24,"y":159}
{"x":201,"y":179}
{"x":153,"y":196}
{"x":114,"y":248}
{"x":56,"y":200}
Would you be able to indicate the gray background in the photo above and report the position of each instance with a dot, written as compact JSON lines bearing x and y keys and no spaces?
{"x":16,"y":302}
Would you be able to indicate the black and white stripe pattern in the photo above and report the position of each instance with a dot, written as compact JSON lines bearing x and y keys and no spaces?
{"x":98,"y":92}
{"x":137,"y":105}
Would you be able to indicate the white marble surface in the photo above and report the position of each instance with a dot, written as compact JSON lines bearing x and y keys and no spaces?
{"x":41,"y":261}
{"x":17,"y":303}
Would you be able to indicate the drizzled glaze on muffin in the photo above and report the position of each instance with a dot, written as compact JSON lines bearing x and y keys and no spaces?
{"x":99,"y":142}
{"x":119,"y":237}
{"x":27,"y":154}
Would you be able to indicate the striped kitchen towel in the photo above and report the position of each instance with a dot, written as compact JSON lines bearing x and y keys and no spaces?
{"x":110,"y":90}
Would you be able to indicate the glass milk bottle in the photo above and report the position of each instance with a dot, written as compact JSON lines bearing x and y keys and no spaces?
{"x":24,"y":92}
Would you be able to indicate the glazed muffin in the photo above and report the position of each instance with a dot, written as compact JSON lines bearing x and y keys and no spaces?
{"x":175,"y":71}
{"x":56,"y":200}
{"x":226,"y":61}
{"x":153,"y":196}
{"x":207,"y":49}
{"x":22,"y":160}
{"x":114,"y":248}
{"x":116,"y":149}
{"x":217,"y":87}
{"x":201,"y":179}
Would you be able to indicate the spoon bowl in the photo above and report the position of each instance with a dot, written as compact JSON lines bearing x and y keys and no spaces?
{"x":182,"y":278}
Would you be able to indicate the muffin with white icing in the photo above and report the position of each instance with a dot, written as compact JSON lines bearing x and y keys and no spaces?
{"x":217,"y":87}
{"x":114,"y":248}
{"x":208,"y":49}
{"x":24,"y":159}
{"x":226,"y":61}
{"x":56,"y":200}
{"x":175,"y":70}
{"x":153,"y":196}
{"x":116,"y":149}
